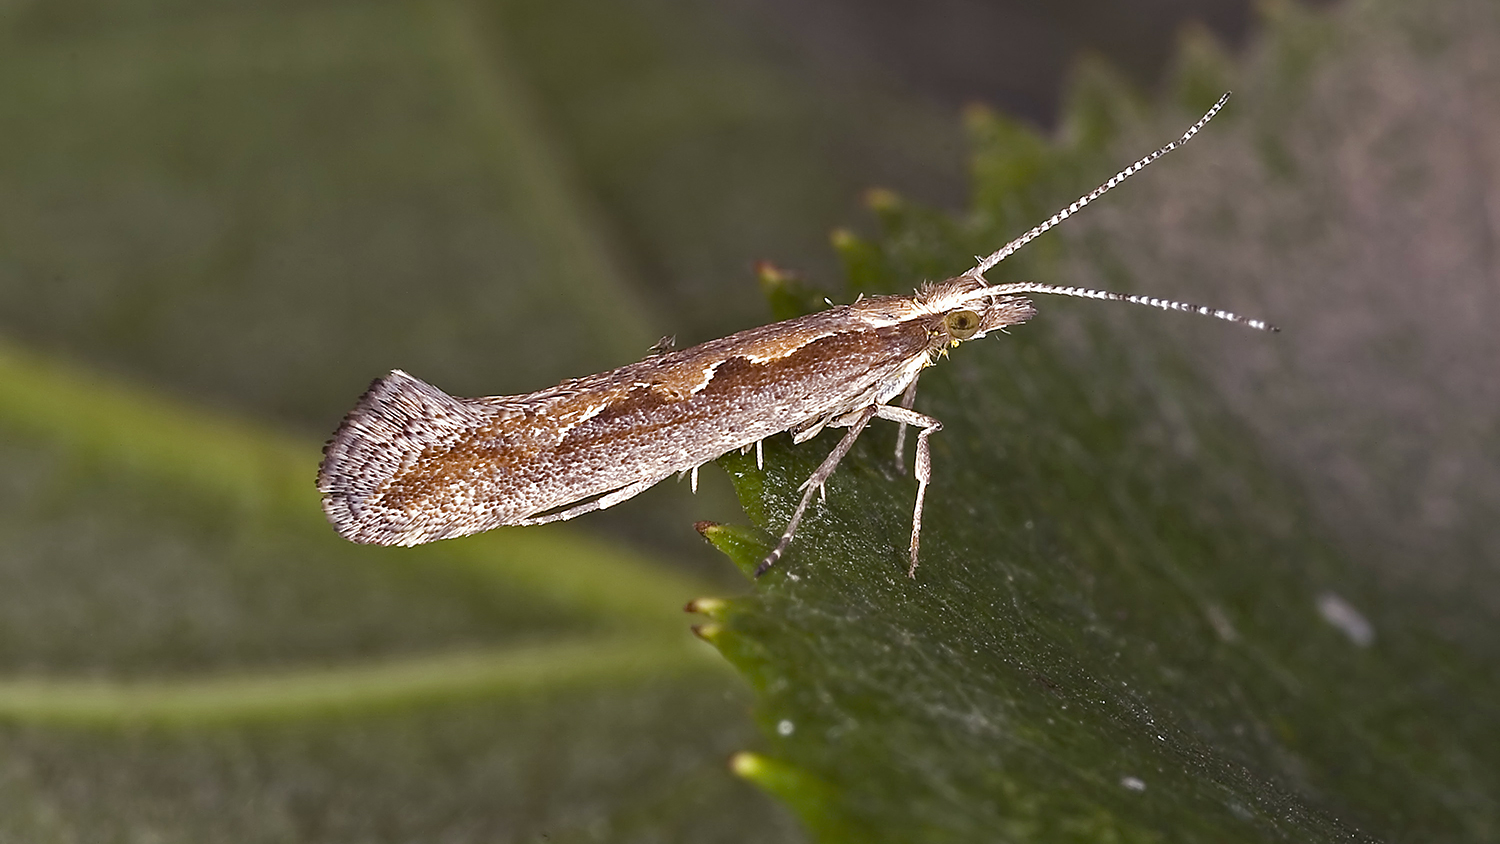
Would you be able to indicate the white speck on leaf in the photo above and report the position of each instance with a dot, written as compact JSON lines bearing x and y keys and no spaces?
{"x":1341,"y":614}
{"x":1219,"y":620}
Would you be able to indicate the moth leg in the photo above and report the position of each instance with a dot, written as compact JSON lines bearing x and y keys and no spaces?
{"x":906,"y":401}
{"x":929,"y":427}
{"x":609,"y":499}
{"x":815,"y":483}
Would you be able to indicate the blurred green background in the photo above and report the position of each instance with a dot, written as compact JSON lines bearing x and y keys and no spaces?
{"x":220,"y":220}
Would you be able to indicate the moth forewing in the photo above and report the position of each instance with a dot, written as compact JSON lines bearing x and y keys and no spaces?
{"x":412,"y":464}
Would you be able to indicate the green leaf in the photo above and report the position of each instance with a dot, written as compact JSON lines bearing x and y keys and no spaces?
{"x":576,"y":766}
{"x":1131,"y":622}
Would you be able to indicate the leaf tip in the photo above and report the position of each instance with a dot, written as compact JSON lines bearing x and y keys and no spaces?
{"x":744,"y":546}
{"x":785,"y":292}
{"x":709,"y":633}
{"x":809,"y":796}
{"x":750,"y":766}
{"x":882,"y":200}
{"x":711,"y":607}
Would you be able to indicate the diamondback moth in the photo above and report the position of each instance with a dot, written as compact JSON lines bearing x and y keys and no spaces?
{"x":411,"y":464}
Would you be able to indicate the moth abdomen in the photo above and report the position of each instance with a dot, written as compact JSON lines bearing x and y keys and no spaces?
{"x":396,"y":422}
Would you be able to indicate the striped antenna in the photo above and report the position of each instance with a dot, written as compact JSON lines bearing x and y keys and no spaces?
{"x":1005,"y":251}
{"x":1021,"y":287}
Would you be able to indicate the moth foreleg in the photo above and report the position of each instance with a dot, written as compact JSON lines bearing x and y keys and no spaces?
{"x":907,"y":398}
{"x":815,"y":483}
{"x":929,"y":426}
{"x":609,"y":499}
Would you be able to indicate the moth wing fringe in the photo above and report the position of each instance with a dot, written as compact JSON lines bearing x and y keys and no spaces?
{"x":394,"y":422}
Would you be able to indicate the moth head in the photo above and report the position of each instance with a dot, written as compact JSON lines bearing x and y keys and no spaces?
{"x":961,"y":324}
{"x":963,"y":309}
{"x":978,"y":318}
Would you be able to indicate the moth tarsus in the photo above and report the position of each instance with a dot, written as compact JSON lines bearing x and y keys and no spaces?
{"x":412,"y":464}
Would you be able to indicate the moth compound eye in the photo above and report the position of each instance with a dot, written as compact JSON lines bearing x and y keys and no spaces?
{"x":962,"y":324}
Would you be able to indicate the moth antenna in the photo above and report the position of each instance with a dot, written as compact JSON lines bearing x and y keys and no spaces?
{"x":1005,"y":251}
{"x":1021,"y":287}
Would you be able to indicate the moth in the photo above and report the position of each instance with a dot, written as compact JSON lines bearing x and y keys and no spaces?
{"x":411,"y":464}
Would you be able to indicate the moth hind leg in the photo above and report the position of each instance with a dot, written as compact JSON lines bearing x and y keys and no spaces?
{"x":856,"y":423}
{"x":929,"y":427}
{"x":815,"y":483}
{"x":907,"y":399}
